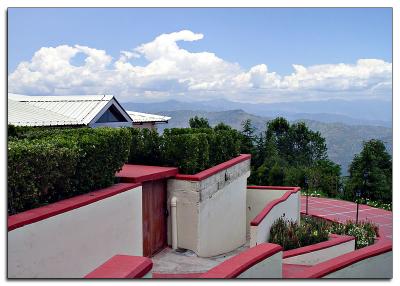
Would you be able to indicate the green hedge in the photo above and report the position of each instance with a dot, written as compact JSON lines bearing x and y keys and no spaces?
{"x":190,"y":149}
{"x":49,"y":165}
{"x":39,"y":171}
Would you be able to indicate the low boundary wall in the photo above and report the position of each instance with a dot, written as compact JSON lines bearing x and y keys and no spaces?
{"x":320,"y":252}
{"x":288,"y":205}
{"x":374,"y":261}
{"x":69,"y":238}
{"x":261,"y":261}
{"x":123,"y":266}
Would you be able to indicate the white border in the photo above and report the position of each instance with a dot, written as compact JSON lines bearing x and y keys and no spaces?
{"x":216,"y":3}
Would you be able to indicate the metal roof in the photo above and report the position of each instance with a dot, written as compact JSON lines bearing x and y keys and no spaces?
{"x":26,"y":110}
{"x":139,"y":117}
{"x":23,"y":114}
{"x":80,"y":108}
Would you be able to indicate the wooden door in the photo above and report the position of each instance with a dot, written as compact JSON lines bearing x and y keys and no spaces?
{"x":154,"y":209}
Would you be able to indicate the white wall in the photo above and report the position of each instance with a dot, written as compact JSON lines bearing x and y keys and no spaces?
{"x":380,"y":266}
{"x":271,"y":267}
{"x":72,"y":244}
{"x":257,"y":199}
{"x":222,"y":219}
{"x":321,"y":255}
{"x":211,"y":214}
{"x":290,"y":208}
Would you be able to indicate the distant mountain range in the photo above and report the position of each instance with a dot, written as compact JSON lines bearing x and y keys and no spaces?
{"x":343,"y":135}
{"x":356,"y":112}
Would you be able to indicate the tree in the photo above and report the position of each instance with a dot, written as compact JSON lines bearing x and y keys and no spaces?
{"x":324,"y":176}
{"x":288,"y":153}
{"x":222,"y":126}
{"x":199,"y":122}
{"x":371,"y":173}
{"x":248,"y":137}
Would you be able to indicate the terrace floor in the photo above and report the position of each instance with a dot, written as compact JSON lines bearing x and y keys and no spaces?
{"x":343,"y":210}
{"x":173,"y":264}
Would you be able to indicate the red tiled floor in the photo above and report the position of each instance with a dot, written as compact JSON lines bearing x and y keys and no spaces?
{"x":344,"y":210}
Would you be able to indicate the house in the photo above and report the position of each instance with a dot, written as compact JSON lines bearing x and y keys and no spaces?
{"x":146,"y":120}
{"x":78,"y":110}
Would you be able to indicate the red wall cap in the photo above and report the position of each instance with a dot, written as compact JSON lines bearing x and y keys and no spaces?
{"x":333,"y":241}
{"x":122,"y":266}
{"x":238,"y":264}
{"x":214,"y":170}
{"x":291,"y":190}
{"x":41,"y":213}
{"x":141,"y":173}
{"x":324,"y":268}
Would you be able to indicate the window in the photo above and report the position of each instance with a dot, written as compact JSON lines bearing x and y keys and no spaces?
{"x":111,"y":115}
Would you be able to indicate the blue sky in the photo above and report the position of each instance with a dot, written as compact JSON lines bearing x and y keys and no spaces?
{"x":276,"y":38}
{"x":279,"y":37}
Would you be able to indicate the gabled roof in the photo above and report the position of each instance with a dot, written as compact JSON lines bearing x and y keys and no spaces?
{"x":139,"y":117}
{"x":23,"y":114}
{"x":82,"y":109}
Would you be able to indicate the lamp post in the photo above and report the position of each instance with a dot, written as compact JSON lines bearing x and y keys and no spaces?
{"x":358,"y":194}
{"x":306,"y":185}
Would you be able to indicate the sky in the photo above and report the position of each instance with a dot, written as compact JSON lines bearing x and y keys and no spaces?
{"x":247,"y":55}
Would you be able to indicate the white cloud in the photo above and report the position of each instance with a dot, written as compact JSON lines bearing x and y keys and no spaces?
{"x":173,"y":72}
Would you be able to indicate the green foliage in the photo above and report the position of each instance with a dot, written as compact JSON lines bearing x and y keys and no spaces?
{"x":248,"y":137}
{"x":292,"y":155}
{"x":189,"y":152}
{"x":39,"y":171}
{"x":311,"y":230}
{"x":199,"y":122}
{"x":49,"y":165}
{"x":378,"y":204}
{"x":190,"y":149}
{"x":145,"y":147}
{"x":365,"y":232}
{"x":291,"y":235}
{"x":371,"y":173}
{"x":224,"y":145}
{"x":324,"y":176}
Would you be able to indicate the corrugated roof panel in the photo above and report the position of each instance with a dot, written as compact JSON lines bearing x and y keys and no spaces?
{"x":82,"y":109}
{"x":24,"y":114}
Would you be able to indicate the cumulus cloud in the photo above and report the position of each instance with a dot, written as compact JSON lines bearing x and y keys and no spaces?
{"x":173,"y":72}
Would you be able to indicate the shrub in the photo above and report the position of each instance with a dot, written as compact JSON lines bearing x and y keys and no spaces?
{"x":291,"y":235}
{"x":39,"y":171}
{"x":189,"y":152}
{"x":365,"y":232}
{"x":145,"y":147}
{"x":49,"y":165}
{"x":224,"y":145}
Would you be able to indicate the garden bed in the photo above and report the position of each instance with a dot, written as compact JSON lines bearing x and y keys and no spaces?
{"x":312,"y":230}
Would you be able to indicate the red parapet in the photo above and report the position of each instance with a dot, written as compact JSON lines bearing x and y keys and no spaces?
{"x":238,"y":264}
{"x":324,"y":268}
{"x":41,"y":213}
{"x":213,"y":170}
{"x":333,"y":241}
{"x":291,"y":190}
{"x":122,"y":266}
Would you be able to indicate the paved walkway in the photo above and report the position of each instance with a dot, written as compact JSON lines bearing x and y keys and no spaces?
{"x":343,"y":210}
{"x":171,"y":264}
